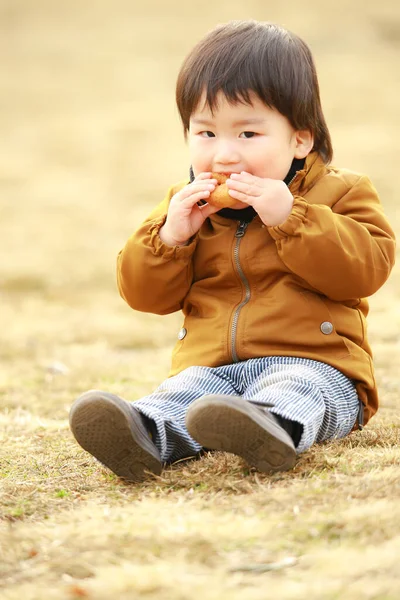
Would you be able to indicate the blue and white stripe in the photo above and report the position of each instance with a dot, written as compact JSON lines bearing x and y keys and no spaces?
{"x":312,"y":393}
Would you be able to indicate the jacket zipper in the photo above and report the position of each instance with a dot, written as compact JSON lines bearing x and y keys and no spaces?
{"x":241,"y":230}
{"x":291,"y":181}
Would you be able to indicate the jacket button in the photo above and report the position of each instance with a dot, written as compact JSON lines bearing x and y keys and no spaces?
{"x":326,"y":327}
{"x":182,"y":333}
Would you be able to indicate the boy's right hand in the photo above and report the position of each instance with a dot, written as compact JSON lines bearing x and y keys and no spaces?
{"x":185,"y":216}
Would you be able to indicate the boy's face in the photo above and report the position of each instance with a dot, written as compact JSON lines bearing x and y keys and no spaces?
{"x":244,"y":137}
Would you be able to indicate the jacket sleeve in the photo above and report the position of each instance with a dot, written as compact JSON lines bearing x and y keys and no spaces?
{"x":344,"y":251}
{"x":151,"y":276}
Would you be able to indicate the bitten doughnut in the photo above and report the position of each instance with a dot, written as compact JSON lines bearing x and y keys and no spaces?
{"x":220,"y":196}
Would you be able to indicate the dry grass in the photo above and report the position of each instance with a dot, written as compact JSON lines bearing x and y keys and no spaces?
{"x":90,"y":141}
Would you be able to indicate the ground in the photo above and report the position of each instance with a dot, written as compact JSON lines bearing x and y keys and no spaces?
{"x":90,"y":142}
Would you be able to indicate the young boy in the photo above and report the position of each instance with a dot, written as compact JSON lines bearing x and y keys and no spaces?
{"x":272,"y":356}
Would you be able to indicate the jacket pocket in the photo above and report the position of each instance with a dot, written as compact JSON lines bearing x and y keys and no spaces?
{"x":326,"y":326}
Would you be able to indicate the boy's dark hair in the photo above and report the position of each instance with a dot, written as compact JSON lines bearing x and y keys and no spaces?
{"x":243,"y":56}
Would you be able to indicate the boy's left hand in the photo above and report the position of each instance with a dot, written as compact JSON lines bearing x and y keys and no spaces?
{"x":270,"y":198}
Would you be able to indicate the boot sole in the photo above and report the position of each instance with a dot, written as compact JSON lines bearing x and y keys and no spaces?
{"x":104,"y":426}
{"x":233,"y":425}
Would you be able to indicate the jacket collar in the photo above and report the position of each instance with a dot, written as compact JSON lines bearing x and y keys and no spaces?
{"x":314,"y":168}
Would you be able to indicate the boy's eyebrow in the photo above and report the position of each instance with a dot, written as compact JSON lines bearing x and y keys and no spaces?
{"x":253,"y":121}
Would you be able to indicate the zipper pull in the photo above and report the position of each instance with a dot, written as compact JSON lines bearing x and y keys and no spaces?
{"x":241,"y":230}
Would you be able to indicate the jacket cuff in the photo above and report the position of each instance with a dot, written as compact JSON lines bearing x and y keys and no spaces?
{"x":294,"y":220}
{"x":169,"y":252}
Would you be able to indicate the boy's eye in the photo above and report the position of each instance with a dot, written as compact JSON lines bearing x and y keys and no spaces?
{"x":247,"y":134}
{"x":207,"y":134}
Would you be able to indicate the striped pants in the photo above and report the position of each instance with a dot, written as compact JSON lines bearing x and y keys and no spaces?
{"x":311,"y":393}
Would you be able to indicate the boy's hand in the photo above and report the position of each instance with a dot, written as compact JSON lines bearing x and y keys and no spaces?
{"x":270,"y":198}
{"x":185,"y":217}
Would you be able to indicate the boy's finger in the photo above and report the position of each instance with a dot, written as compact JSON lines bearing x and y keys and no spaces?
{"x":243,"y":176}
{"x":245,"y":187}
{"x":204,"y":180}
{"x":194,"y":198}
{"x":241,"y":196}
{"x":208,"y":209}
{"x":201,"y":176}
{"x":195,"y":187}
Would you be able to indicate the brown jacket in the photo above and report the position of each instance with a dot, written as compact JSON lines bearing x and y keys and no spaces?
{"x":298,"y":289}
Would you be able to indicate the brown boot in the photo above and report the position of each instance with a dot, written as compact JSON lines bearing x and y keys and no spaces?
{"x":113,"y":431}
{"x":235,"y":425}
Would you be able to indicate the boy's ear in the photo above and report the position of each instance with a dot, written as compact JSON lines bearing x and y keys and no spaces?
{"x":304,"y":143}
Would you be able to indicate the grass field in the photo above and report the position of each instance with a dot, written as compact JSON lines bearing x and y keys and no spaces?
{"x":90,"y":140}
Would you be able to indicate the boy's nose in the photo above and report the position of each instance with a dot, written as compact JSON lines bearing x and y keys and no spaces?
{"x":226,"y":153}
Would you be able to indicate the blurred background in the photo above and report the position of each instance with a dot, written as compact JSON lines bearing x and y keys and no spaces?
{"x":90,"y":141}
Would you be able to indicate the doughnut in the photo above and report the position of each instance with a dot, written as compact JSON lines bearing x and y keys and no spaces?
{"x":220,"y":196}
